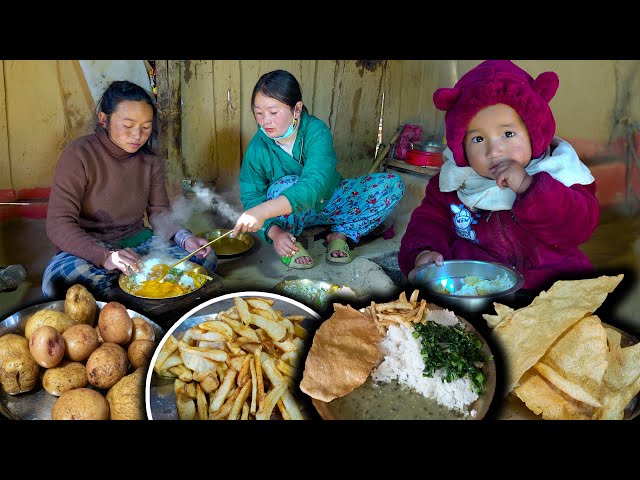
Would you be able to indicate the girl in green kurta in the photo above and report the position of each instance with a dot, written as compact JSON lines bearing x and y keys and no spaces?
{"x":289,"y":180}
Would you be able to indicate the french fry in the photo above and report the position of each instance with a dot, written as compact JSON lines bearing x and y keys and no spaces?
{"x":270,"y":301}
{"x":201,"y":403}
{"x":245,"y":412}
{"x":239,"y":401}
{"x":288,"y":324}
{"x":167,"y":349}
{"x":243,"y":310}
{"x":254,"y":385}
{"x":173,"y":360}
{"x":414,"y":296}
{"x":221,"y":393}
{"x":283,"y":410}
{"x":274,"y":329}
{"x":209,"y":336}
{"x":215,"y":355}
{"x":299,"y":331}
{"x":210,"y":383}
{"x":285,"y":368}
{"x":182,"y":372}
{"x":270,"y":401}
{"x":295,"y":318}
{"x":219,"y":327}
{"x":260,"y":380}
{"x":190,"y":389}
{"x":242,"y":330}
{"x":243,"y":374}
{"x":223,"y":411}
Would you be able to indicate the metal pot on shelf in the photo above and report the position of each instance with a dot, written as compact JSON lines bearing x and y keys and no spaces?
{"x":425,"y":154}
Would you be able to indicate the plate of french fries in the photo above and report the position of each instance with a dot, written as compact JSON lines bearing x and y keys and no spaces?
{"x":239,"y":358}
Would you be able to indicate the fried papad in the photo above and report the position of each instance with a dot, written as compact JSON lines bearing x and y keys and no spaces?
{"x":345,"y":348}
{"x":621,"y":381}
{"x":576,"y":362}
{"x":527,"y":333}
{"x":541,"y":397}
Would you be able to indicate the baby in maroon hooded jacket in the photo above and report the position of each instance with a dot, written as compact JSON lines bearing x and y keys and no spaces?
{"x":509,"y":191}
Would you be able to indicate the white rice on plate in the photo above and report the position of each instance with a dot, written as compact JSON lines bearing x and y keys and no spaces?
{"x":403,"y":362}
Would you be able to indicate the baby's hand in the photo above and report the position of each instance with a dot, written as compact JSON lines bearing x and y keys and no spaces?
{"x":427,"y":257}
{"x":511,"y":174}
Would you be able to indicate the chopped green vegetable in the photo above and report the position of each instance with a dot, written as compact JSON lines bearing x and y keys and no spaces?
{"x":454,"y":350}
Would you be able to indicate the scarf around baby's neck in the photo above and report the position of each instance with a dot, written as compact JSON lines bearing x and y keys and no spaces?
{"x":478,"y":192}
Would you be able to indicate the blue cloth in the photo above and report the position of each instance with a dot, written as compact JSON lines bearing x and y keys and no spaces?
{"x":357,"y":206}
{"x":65,"y":270}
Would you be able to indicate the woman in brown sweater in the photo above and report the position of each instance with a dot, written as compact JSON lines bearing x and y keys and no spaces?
{"x":103,"y":185}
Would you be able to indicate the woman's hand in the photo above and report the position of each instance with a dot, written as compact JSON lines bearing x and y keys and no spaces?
{"x":250,"y":221}
{"x":427,"y":257}
{"x":283,"y":242}
{"x":126,"y":260}
{"x":193,"y":243}
{"x":511,"y":174}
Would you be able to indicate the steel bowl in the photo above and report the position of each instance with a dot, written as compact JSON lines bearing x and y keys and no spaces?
{"x":452,"y":274}
{"x":228,"y":247}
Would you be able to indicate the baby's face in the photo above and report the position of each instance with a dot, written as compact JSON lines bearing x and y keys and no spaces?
{"x":495,"y":134}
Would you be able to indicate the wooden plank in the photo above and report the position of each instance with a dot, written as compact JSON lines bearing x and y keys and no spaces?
{"x":226,"y":90}
{"x":392,"y":87}
{"x":356,"y":128}
{"x":249,"y":74}
{"x":169,"y":123}
{"x":198,"y":121}
{"x":79,"y":108}
{"x":410,"y":93}
{"x":34,"y":104}
{"x":5,"y":165}
{"x":322,"y":98}
{"x":428,"y":86}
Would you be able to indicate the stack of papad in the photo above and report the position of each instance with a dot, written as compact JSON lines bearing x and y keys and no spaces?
{"x":527,"y":333}
{"x":345,"y":348}
{"x":561,"y":360}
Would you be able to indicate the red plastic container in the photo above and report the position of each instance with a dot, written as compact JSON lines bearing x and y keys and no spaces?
{"x":424,"y":159}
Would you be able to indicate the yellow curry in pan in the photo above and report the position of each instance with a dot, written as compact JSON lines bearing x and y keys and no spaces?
{"x":176,"y":283}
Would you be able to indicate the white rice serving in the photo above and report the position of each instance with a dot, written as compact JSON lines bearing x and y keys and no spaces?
{"x":474,"y":286}
{"x":403,"y":362}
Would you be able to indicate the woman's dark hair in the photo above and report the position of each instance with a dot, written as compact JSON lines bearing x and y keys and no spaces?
{"x":121,"y":91}
{"x":281,"y":85}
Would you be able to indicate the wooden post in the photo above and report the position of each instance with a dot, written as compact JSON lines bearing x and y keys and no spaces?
{"x":169,"y":123}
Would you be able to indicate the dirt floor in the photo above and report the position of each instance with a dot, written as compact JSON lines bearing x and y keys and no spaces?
{"x":614,"y":248}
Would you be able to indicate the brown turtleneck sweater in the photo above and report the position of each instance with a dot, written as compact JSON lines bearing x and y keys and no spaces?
{"x":101,"y":192}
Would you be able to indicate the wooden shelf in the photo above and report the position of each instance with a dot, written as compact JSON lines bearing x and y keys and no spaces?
{"x":401,"y":165}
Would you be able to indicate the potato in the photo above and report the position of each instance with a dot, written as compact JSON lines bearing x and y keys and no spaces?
{"x":80,"y":341}
{"x":106,"y":365}
{"x":140,"y":353}
{"x":100,"y":339}
{"x":126,"y":398}
{"x":58,"y":320}
{"x":142,"y":330}
{"x":66,"y":376}
{"x":46,"y":346}
{"x":80,"y":404}
{"x":80,"y":305}
{"x":115,"y":324}
{"x":18,"y":370}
